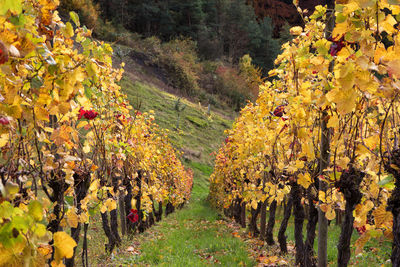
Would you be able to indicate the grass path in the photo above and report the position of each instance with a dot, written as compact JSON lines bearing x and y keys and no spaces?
{"x":193,"y":236}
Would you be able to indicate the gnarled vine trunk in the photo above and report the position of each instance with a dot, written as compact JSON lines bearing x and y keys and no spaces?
{"x":349,"y":184}
{"x":309,"y":259}
{"x":284,"y":223}
{"x":299,"y":216}
{"x":394,"y":205}
{"x":269,"y":236}
{"x":81,"y":187}
{"x":263,"y":219}
{"x":128,"y":204}
{"x":243,"y":215}
{"x":253,"y":222}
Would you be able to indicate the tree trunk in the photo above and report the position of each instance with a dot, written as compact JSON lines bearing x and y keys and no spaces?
{"x":169,"y":209}
{"x":349,"y":184}
{"x":128,"y":206}
{"x":243,"y":215}
{"x":394,"y":207}
{"x":284,"y":223}
{"x":114,"y":225}
{"x":237,"y":209}
{"x":160,"y":212}
{"x":263,"y":219}
{"x":107,"y":230}
{"x":82,"y":183}
{"x":394,"y":204}
{"x":325,"y":153}
{"x":309,"y":259}
{"x":58,"y":186}
{"x":122,"y":215}
{"x":271,"y":223}
{"x":140,"y":222}
{"x":298,"y":212}
{"x":253,"y":222}
{"x":85,"y":261}
{"x":114,"y":213}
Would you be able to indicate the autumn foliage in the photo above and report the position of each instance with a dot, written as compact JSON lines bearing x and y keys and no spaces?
{"x":349,"y":83}
{"x":70,"y":147}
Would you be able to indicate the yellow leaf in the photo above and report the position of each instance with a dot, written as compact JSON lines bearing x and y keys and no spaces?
{"x":333,"y":122}
{"x":69,"y":29}
{"x":322,"y":196}
{"x":330,"y":213}
{"x":41,"y":114}
{"x":323,"y":207}
{"x":381,"y":216}
{"x":304,"y":180}
{"x":394,"y":67}
{"x":254,"y":204}
{"x":83,"y":218}
{"x":297,"y":30}
{"x":44,"y":249}
{"x":372,"y":141}
{"x":81,"y":124}
{"x":340,"y":29}
{"x":94,"y":185}
{"x":86,"y":148}
{"x":387,"y":24}
{"x":15,"y":111}
{"x":48,"y":129}
{"x":72,"y":218}
{"x":345,"y":99}
{"x":64,"y":245}
{"x":4,"y":139}
{"x":109,"y":205}
{"x":36,"y":210}
{"x":44,"y":99}
{"x":64,"y":107}
{"x":317,"y":60}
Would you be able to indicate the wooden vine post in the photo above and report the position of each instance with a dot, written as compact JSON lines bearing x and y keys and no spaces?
{"x":325,"y":153}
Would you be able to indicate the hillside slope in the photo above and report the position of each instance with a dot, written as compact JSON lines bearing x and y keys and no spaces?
{"x":199,"y":134}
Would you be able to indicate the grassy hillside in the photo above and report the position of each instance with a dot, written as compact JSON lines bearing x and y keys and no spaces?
{"x":199,"y":134}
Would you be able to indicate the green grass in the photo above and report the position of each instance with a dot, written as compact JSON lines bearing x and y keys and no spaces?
{"x":192,"y":236}
{"x":198,"y":131}
{"x":376,"y":252}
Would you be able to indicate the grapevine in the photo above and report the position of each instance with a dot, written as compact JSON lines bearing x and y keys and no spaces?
{"x":348,"y":80}
{"x":71,"y":145}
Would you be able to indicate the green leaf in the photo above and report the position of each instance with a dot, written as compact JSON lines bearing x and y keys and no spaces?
{"x":39,"y":230}
{"x":15,"y":6}
{"x":69,"y":200}
{"x":69,"y":30}
{"x":394,"y":2}
{"x":75,"y":18}
{"x":36,"y":82}
{"x":386,"y":180}
{"x":35,"y":210}
{"x":6,"y":210}
{"x":340,"y":18}
{"x":18,"y":20}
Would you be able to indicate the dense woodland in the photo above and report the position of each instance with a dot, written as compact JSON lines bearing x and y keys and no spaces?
{"x":222,"y":28}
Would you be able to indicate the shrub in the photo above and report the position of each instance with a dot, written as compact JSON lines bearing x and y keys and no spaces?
{"x":88,"y":11}
{"x":180,"y":60}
